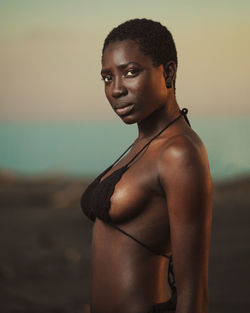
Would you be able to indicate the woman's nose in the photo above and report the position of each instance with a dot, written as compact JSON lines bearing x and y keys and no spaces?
{"x":118,"y":88}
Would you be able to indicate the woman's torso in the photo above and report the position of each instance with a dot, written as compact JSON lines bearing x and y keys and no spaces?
{"x":126,"y":277}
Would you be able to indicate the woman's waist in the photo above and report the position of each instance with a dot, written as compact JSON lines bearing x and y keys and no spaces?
{"x":136,"y":298}
{"x":145,"y":281}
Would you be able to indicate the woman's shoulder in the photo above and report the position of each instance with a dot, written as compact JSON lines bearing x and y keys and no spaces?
{"x":183,"y":152}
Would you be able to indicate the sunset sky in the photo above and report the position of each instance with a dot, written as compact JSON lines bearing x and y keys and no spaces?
{"x":50,"y":56}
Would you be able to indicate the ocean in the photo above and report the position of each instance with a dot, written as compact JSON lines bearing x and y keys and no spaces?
{"x":85,"y":149}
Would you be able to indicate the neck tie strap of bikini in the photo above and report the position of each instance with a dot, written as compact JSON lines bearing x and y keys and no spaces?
{"x":184,"y":112}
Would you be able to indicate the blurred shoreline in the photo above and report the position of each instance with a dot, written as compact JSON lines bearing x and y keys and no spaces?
{"x":46,"y":243}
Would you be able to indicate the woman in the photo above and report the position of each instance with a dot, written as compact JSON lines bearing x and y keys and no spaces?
{"x":152,"y":207}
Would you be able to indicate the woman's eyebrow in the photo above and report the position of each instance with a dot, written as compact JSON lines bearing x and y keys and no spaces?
{"x":121,"y":66}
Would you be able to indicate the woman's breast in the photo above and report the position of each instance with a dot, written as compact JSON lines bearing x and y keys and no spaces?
{"x":128,"y":200}
{"x":134,"y":194}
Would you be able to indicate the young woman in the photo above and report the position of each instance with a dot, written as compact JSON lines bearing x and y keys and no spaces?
{"x":152,"y":207}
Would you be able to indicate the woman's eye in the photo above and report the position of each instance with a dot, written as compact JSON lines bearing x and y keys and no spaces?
{"x":132,"y":72}
{"x":107,"y":78}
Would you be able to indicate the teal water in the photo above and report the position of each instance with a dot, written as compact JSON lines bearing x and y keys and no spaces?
{"x":88,"y":148}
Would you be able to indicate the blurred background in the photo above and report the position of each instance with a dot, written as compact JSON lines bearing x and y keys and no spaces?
{"x":57,"y":131}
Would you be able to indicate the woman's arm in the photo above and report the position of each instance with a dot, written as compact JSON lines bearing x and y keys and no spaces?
{"x":185,"y":178}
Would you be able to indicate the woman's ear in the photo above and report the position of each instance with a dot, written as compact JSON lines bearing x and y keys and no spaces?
{"x":169,"y":73}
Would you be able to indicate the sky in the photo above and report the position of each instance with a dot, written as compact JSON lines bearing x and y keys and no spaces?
{"x":50,"y":55}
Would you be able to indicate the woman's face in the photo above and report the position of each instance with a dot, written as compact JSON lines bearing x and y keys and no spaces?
{"x":134,"y":87}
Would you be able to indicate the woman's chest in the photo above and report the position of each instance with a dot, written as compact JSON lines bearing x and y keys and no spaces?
{"x":132,"y":193}
{"x":121,"y":192}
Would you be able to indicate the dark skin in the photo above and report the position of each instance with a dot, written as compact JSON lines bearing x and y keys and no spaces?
{"x":164,"y":199}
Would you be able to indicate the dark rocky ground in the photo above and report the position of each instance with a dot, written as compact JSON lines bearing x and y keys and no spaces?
{"x":45,"y":246}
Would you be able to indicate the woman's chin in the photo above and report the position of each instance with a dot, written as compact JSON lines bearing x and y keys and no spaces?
{"x":128,"y":119}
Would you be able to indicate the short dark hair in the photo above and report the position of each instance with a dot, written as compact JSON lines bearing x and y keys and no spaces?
{"x":153,"y":39}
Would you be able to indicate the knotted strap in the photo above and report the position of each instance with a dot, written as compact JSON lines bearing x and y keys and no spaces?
{"x":184,"y":112}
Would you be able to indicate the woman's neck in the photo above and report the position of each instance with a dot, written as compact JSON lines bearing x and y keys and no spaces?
{"x":157,"y":120}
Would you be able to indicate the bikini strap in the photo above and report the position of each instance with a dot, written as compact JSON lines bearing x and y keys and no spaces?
{"x":171,"y":276}
{"x":138,"y":241}
{"x":122,"y":155}
{"x":183,"y":112}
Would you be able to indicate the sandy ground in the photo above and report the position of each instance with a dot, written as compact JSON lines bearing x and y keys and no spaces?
{"x":45,"y":246}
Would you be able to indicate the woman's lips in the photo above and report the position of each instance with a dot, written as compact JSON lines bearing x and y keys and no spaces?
{"x":125,"y":110}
